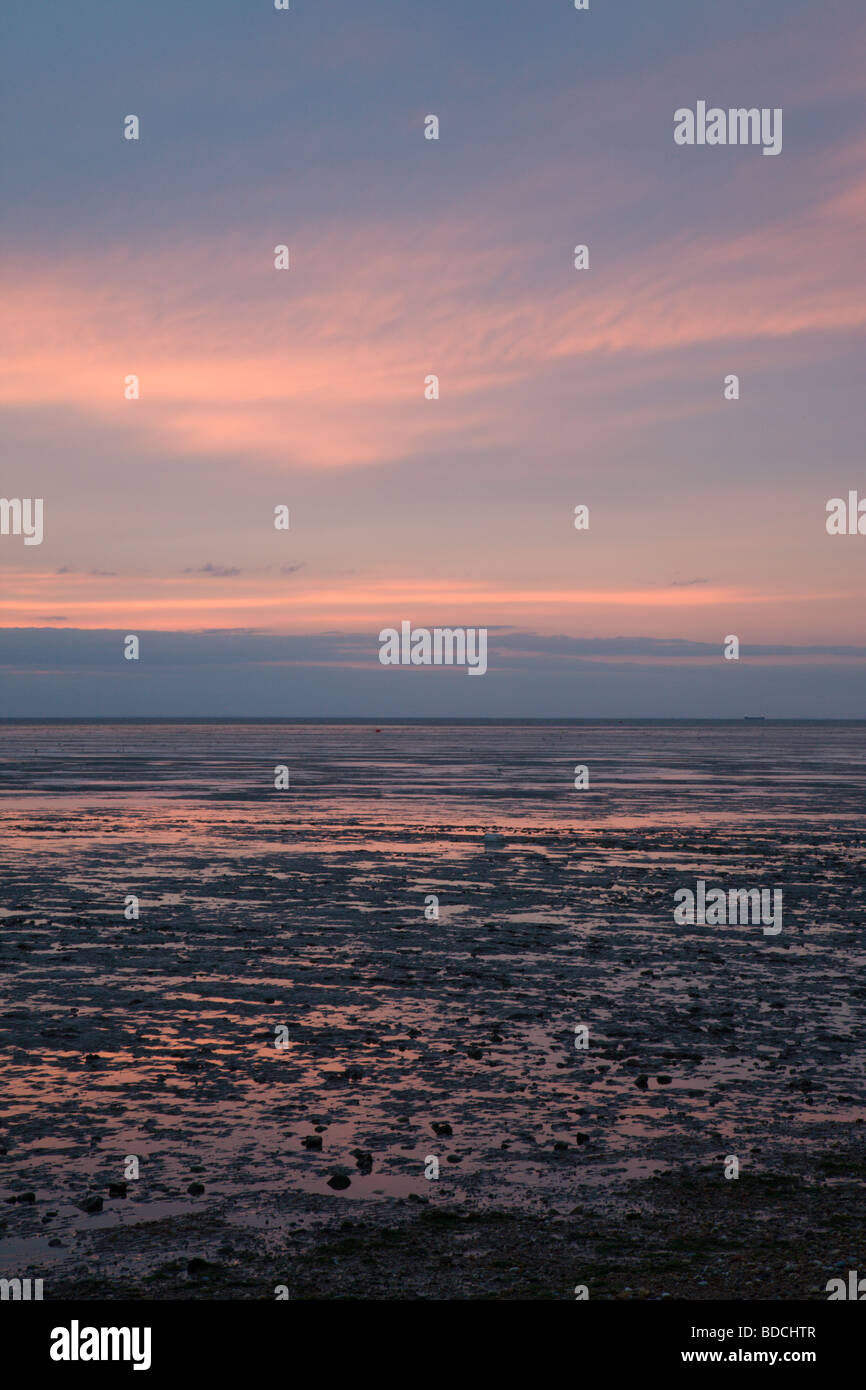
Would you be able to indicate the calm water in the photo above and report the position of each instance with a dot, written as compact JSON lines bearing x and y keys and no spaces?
{"x":423,"y":775}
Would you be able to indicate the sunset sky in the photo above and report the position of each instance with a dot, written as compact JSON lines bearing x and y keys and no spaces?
{"x":410,"y":257}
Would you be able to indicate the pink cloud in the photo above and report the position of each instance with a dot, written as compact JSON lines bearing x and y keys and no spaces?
{"x":323,"y":366}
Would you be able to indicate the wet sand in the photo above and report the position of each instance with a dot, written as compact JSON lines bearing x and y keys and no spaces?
{"x":409,"y":1038}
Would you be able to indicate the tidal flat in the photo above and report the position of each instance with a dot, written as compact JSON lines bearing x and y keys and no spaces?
{"x":328,"y":986}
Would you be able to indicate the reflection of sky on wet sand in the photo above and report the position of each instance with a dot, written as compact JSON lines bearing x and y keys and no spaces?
{"x":306,"y":908}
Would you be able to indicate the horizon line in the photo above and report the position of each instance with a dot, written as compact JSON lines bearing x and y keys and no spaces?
{"x":420,"y":719}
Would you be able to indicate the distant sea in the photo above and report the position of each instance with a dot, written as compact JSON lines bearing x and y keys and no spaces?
{"x":446,"y":771}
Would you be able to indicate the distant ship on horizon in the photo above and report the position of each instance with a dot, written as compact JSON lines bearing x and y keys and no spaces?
{"x":753,"y":718}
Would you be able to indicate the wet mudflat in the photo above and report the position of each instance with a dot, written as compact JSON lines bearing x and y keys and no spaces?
{"x":406,"y":1038}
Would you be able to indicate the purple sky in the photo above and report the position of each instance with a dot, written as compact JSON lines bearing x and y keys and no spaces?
{"x":410,"y":257}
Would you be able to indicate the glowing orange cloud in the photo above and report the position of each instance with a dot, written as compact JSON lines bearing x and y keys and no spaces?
{"x":323,"y":365}
{"x":275,"y":603}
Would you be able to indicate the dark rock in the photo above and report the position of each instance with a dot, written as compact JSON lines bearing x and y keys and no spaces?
{"x":363,"y":1159}
{"x":664,"y":1080}
{"x":312,"y":1141}
{"x":91,"y":1205}
{"x":117,"y":1189}
{"x":195,"y":1189}
{"x":339,"y":1182}
{"x":442,"y":1127}
{"x":26,"y":1197}
{"x":642,"y":1081}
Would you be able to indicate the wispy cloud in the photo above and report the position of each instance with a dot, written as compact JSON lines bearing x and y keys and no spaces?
{"x":324,"y":365}
{"x":216,"y":571}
